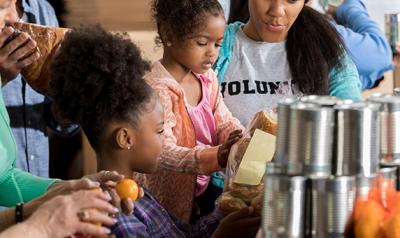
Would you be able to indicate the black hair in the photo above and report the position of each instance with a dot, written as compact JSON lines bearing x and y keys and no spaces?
{"x":97,"y":78}
{"x":314,"y":48}
{"x":238,"y":11}
{"x":313,"y":45}
{"x":176,"y":19}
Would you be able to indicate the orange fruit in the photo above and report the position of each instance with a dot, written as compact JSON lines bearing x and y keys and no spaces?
{"x":365,"y":209}
{"x":367,"y":228}
{"x":127,"y":188}
{"x":391,"y":227}
{"x":368,"y":217}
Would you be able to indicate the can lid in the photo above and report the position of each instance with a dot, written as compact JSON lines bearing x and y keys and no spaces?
{"x":333,"y":184}
{"x":358,"y":106}
{"x":288,"y":100}
{"x":275,"y":168}
{"x":323,"y":101}
{"x":305,"y":106}
{"x":397,"y":91}
{"x":284,"y":183}
{"x":374,"y":96}
{"x":388,"y":103}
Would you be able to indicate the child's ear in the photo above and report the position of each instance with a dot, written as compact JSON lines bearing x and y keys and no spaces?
{"x":125,"y":138}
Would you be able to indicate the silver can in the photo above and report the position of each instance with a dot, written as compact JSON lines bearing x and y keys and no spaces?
{"x":284,"y":206}
{"x":282,"y":146}
{"x":365,"y":184}
{"x":392,"y":22}
{"x":332,"y":205}
{"x":374,"y":96}
{"x":390,"y":130}
{"x":392,"y":174}
{"x":275,"y":168}
{"x":389,"y":173}
{"x":356,"y":140}
{"x":396,"y":91}
{"x":323,"y":101}
{"x":310,"y":140}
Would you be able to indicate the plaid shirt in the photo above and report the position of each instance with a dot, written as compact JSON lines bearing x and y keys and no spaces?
{"x":150,"y":219}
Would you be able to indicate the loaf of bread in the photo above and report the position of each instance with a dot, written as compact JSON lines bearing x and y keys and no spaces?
{"x":229,"y":203}
{"x":257,"y":203}
{"x":237,"y":196}
{"x":246,"y":193}
{"x":263,"y":121}
{"x":48,"y":40}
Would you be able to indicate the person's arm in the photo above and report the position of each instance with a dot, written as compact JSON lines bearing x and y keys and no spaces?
{"x":27,"y":230}
{"x":344,"y":81}
{"x":18,"y":186}
{"x":48,"y":14}
{"x":58,"y":217}
{"x":197,"y":160}
{"x":365,"y":42}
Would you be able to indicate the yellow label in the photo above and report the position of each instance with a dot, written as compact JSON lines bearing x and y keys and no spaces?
{"x":261,"y":150}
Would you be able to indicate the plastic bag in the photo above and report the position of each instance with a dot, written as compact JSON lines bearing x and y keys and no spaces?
{"x":237,"y":196}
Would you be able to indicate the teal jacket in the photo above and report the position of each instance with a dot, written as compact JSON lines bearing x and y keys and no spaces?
{"x":15,"y":185}
{"x":344,"y":82}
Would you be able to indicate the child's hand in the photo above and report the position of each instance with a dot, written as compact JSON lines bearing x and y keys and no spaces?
{"x":239,"y":224}
{"x":224,"y":149}
{"x":126,"y":205}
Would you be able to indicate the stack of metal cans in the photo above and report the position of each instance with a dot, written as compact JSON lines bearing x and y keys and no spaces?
{"x":327,"y":152}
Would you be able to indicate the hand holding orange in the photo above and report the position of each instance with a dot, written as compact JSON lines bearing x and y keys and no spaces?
{"x":127,"y":188}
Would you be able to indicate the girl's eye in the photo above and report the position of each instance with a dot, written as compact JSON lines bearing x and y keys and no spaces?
{"x":292,"y":1}
{"x":160,"y":132}
{"x":218,"y":45}
{"x":201,"y":43}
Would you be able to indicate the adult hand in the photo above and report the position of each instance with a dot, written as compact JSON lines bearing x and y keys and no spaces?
{"x":239,"y":224}
{"x":224,"y":149}
{"x":108,"y":180}
{"x":16,"y":54}
{"x":104,"y":179}
{"x":62,"y":215}
{"x":63,"y":187}
{"x":398,"y":47}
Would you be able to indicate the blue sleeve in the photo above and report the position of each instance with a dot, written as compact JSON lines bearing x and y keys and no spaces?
{"x":46,"y":15}
{"x":344,"y":81}
{"x":365,"y":42}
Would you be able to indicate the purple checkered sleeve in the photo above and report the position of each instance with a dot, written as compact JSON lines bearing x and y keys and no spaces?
{"x":150,"y":219}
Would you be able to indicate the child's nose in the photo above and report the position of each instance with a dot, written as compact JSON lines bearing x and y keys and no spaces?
{"x":212,"y":51}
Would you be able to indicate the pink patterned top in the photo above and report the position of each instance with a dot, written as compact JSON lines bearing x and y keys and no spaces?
{"x":204,"y":124}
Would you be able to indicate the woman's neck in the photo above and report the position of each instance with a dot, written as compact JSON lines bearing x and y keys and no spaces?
{"x":250,"y":32}
{"x":111,"y":161}
{"x":177,"y":70}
